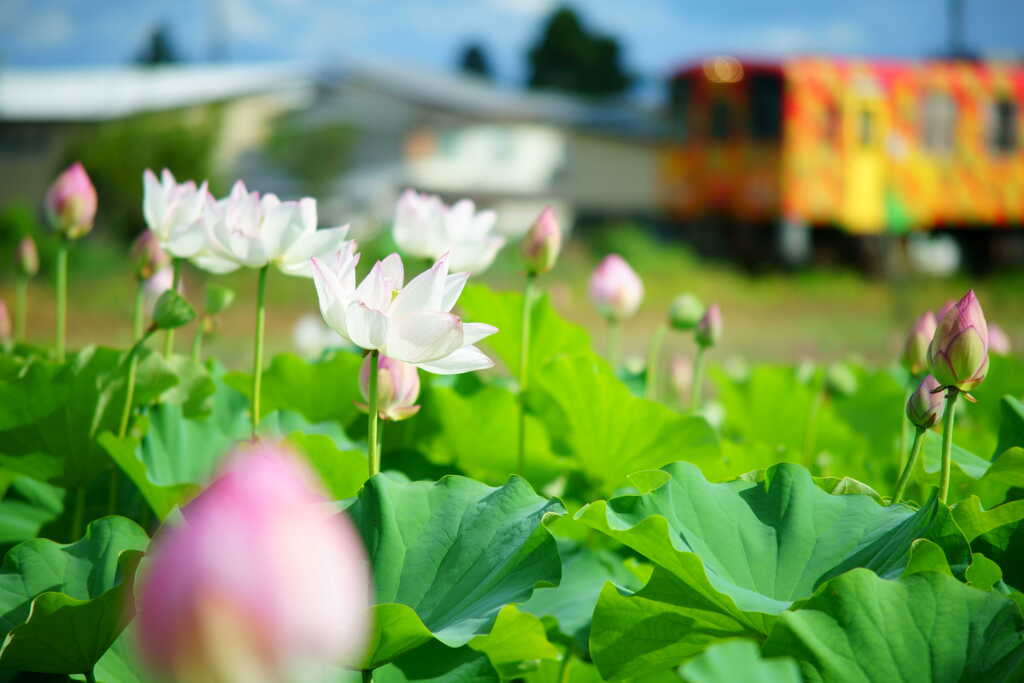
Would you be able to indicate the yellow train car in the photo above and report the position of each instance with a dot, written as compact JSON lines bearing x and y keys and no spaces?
{"x":868,"y":146}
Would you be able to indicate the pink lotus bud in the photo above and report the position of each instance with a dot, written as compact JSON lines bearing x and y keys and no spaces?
{"x":709,"y":329}
{"x":682,"y":375}
{"x":998,"y":340}
{"x":27,"y":257}
{"x":398,"y":387}
{"x":71,"y":202}
{"x":158,"y":283}
{"x":925,"y":405}
{"x":946,"y":308}
{"x":261,"y":582}
{"x":958,"y":354}
{"x":915,"y":350}
{"x":543,"y":243}
{"x":5,"y":324}
{"x":615,"y":288}
{"x":148,"y":255}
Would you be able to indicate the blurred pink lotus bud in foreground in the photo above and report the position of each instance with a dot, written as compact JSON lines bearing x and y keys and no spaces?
{"x":615,"y":288}
{"x":5,"y":324}
{"x":148,"y":256}
{"x":27,"y":257}
{"x":71,"y":202}
{"x":925,"y":405}
{"x":915,"y":349}
{"x":542,"y":244}
{"x":958,"y":354}
{"x":398,"y":387}
{"x":998,"y":340}
{"x":709,"y":329}
{"x":261,"y":582}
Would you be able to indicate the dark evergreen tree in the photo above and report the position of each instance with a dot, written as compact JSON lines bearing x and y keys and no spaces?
{"x":474,"y":61}
{"x":568,"y":57}
{"x":159,"y":48}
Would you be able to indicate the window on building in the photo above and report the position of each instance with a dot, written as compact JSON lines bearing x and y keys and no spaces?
{"x":766,"y":107}
{"x":1002,"y":127}
{"x":721,"y":120}
{"x":938,"y":122}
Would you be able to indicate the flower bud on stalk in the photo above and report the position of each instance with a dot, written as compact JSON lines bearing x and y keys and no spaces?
{"x":398,"y":387}
{"x":998,"y":340}
{"x":70,"y":203}
{"x":148,"y":256}
{"x":709,"y":329}
{"x":925,"y":405}
{"x":27,"y":257}
{"x":542,"y":244}
{"x":958,"y":353}
{"x":261,"y":582}
{"x":5,"y":324}
{"x":686,"y":312}
{"x":615,"y":288}
{"x":915,"y":349}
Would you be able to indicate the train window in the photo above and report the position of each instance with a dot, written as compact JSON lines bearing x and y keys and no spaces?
{"x":766,"y":107}
{"x":678,"y":104}
{"x":938,"y":122}
{"x":721,"y":120}
{"x":866,"y":127}
{"x":1003,"y":125}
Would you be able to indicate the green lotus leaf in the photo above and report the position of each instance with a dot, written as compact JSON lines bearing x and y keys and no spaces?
{"x":732,"y":661}
{"x":731,"y":557}
{"x":448,"y":555}
{"x":594,"y":418}
{"x":922,"y":628}
{"x":62,"y":606}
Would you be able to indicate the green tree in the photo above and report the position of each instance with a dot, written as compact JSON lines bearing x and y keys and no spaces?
{"x":569,"y":57}
{"x":159,"y":48}
{"x":474,"y":61}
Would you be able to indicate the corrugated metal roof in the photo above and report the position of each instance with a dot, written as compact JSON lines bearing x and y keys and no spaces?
{"x":98,"y":94}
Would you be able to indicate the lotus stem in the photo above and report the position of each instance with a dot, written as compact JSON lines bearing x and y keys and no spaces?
{"x":257,"y":361}
{"x":367,"y":675}
{"x":133,"y":358}
{"x":175,"y":283}
{"x":947,"y":442}
{"x":908,"y":469}
{"x":698,"y":379}
{"x":373,"y":445}
{"x":197,"y":344}
{"x":524,"y":367}
{"x":90,"y":677}
{"x":653,"y":356}
{"x":62,"y":296}
{"x":20,"y":308}
{"x":614,"y":341}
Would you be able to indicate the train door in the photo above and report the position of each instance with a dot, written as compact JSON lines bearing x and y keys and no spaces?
{"x":864,"y":160}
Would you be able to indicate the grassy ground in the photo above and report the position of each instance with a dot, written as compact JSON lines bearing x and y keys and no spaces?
{"x":812,"y":314}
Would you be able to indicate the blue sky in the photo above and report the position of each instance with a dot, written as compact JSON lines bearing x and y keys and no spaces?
{"x":657,"y":34}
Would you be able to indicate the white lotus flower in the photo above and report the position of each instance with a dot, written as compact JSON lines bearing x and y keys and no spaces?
{"x":245,"y":229}
{"x":425,"y":227}
{"x":413,"y":323}
{"x":172,"y":211}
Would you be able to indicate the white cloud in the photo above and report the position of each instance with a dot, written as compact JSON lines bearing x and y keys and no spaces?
{"x":244,"y":20}
{"x":45,"y":29}
{"x":530,"y":8}
{"x":787,"y":39}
